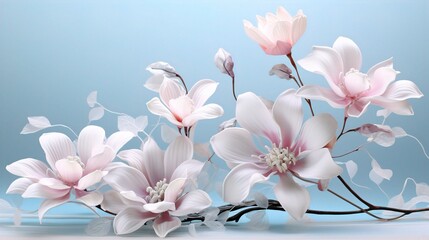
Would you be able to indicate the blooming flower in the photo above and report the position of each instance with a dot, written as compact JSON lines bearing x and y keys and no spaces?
{"x":277,"y":33}
{"x":182,"y":109}
{"x":294,"y":149}
{"x":352,"y":89}
{"x":68,"y":171}
{"x":153,"y":187}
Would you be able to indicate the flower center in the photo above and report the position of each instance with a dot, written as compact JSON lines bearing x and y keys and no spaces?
{"x":278,"y":158}
{"x":156,"y":194}
{"x":77,"y":160}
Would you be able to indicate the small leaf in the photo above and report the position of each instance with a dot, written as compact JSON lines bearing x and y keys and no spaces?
{"x":127,"y":123}
{"x":395,"y":202}
{"x":399,"y":132}
{"x":92,"y":99}
{"x":210,"y":214}
{"x":352,"y":168}
{"x":378,"y":174}
{"x":214,"y":225}
{"x":99,"y":227}
{"x":258,"y":220}
{"x":168,"y":134}
{"x":228,"y":124}
{"x":96,"y":114}
{"x":39,"y":121}
{"x":383,"y":113}
{"x":281,"y":71}
{"x":28,"y":128}
{"x":141,"y":123}
{"x":261,"y":200}
{"x":422,"y":189}
{"x":416,"y":200}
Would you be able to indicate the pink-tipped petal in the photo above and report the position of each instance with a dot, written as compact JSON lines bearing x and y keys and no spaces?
{"x":299,"y":26}
{"x":90,"y":199}
{"x":259,"y":120}
{"x":90,"y":139}
{"x":118,"y":139}
{"x":37,"y":190}
{"x":320,"y":93}
{"x":317,"y":132}
{"x":256,"y":35}
{"x":180,"y":150}
{"x":19,"y":186}
{"x":317,"y":164}
{"x":153,"y":162}
{"x":100,"y":160}
{"x":402,"y":90}
{"x":156,"y":107}
{"x":237,"y":183}
{"x":174,"y":189}
{"x":165,"y":224}
{"x":193,"y":202}
{"x":56,"y":146}
{"x":51,"y":203}
{"x":160,"y":207}
{"x":90,"y":179}
{"x":282,"y":31}
{"x":70,"y":171}
{"x":356,"y":83}
{"x":234,"y":145}
{"x":357,"y":108}
{"x":188,"y":169}
{"x":208,"y":111}
{"x":293,"y":198}
{"x":380,"y":80}
{"x":134,"y":158}
{"x":386,"y":63}
{"x":28,"y":168}
{"x":131,"y":219}
{"x":201,"y":91}
{"x":126,"y":179}
{"x":283,"y":14}
{"x":349,"y":52}
{"x":287,"y":112}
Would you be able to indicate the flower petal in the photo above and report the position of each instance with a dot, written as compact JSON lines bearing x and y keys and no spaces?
{"x":349,"y":52}
{"x":19,"y":186}
{"x":100,"y":160}
{"x":293,"y":198}
{"x":28,"y":168}
{"x":174,"y":189}
{"x":69,"y":170}
{"x":127,"y":179}
{"x":180,"y":150}
{"x":208,"y":111}
{"x":357,"y":108}
{"x":51,"y":203}
{"x":131,"y":219}
{"x":192,"y":202}
{"x":90,"y":179}
{"x":90,"y":139}
{"x":188,"y":169}
{"x":380,"y":80}
{"x":154,"y":82}
{"x":317,"y":132}
{"x":134,"y":158}
{"x":287,"y":112}
{"x":253,"y":115}
{"x":53,"y":183}
{"x":118,"y":139}
{"x":159,"y":207}
{"x":234,"y":145}
{"x":356,"y":83}
{"x":153,"y":162}
{"x":317,"y":164}
{"x":320,"y":93}
{"x":201,"y":91}
{"x":326,"y":62}
{"x":386,"y":63}
{"x":402,"y":90}
{"x":56,"y":146}
{"x":237,"y":183}
{"x":37,"y":190}
{"x":398,"y":107}
{"x":90,"y":199}
{"x":156,"y":107}
{"x":256,"y":35}
{"x":114,"y":202}
{"x":170,"y":89}
{"x":299,"y":25}
{"x":165,"y":224}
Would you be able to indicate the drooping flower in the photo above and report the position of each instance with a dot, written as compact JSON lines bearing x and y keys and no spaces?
{"x":184,"y":110}
{"x":224,"y":62}
{"x":352,"y":89}
{"x":69,"y":171}
{"x":277,"y":33}
{"x":153,"y":188}
{"x":294,"y":149}
{"x":160,"y":70}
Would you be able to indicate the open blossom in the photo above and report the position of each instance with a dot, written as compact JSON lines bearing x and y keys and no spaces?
{"x":294,"y":149}
{"x":349,"y":87}
{"x":184,"y":110}
{"x":277,"y":33}
{"x":153,"y":188}
{"x":69,"y":171}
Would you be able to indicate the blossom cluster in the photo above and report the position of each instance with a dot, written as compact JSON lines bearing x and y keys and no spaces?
{"x":265,"y":138}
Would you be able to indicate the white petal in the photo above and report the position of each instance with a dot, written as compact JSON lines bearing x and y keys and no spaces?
{"x":161,"y":68}
{"x":293,"y":198}
{"x":380,"y":80}
{"x":134,"y":158}
{"x":37,"y":190}
{"x":234,"y":145}
{"x":100,"y":160}
{"x":90,"y":179}
{"x":287,"y":112}
{"x":168,"y":134}
{"x":19,"y":186}
{"x":349,"y":52}
{"x":356,"y":83}
{"x":132,"y":197}
{"x":159,"y":207}
{"x":165,"y":224}
{"x":154,"y":82}
{"x":201,"y":91}
{"x":317,"y":132}
{"x":28,"y":168}
{"x":126,"y":179}
{"x":326,"y":62}
{"x":180,"y":150}
{"x":153,"y":162}
{"x":319,"y":93}
{"x":131,"y":219}
{"x":90,"y":138}
{"x":192,"y":202}
{"x":169,"y":90}
{"x":386,"y":63}
{"x":174,"y":189}
{"x":256,"y":35}
{"x":253,"y":115}
{"x":69,"y":170}
{"x":208,"y":111}
{"x":298,"y":27}
{"x":156,"y":107}
{"x":53,"y":183}
{"x":398,"y":107}
{"x":402,"y":90}
{"x":114,"y":202}
{"x":56,"y":146}
{"x":118,"y":139}
{"x":240,"y":179}
{"x":51,"y":203}
{"x":89,"y":198}
{"x":189,"y":169}
{"x":357,"y":108}
{"x":317,"y":164}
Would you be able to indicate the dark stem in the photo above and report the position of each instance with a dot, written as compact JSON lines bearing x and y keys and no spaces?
{"x":233,"y":88}
{"x":354,"y":193}
{"x":343,"y":128}
{"x":176,"y":75}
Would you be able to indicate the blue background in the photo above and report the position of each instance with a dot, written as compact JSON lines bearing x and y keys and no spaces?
{"x":54,"y":53}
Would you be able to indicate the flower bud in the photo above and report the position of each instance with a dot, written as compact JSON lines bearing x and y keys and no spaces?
{"x":223,"y":61}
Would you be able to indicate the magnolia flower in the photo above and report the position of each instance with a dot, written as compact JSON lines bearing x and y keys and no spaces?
{"x":224,"y":62}
{"x":294,"y":149}
{"x":69,"y":170}
{"x":153,"y":187}
{"x":184,"y":110}
{"x":352,"y":89}
{"x":383,"y":135}
{"x":277,"y":33}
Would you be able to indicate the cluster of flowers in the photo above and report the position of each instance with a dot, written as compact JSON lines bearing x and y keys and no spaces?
{"x":157,"y":186}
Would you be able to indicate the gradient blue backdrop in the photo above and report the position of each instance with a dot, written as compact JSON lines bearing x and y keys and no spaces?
{"x":54,"y":53}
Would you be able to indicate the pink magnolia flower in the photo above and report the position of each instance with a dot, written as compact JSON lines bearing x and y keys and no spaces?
{"x":352,"y":89}
{"x":294,"y":149}
{"x":153,"y":187}
{"x":182,"y":109}
{"x":68,"y":171}
{"x":277,"y":33}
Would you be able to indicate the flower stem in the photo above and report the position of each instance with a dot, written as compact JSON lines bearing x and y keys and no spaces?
{"x":233,"y":88}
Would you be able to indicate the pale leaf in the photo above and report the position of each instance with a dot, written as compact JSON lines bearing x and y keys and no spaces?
{"x":99,"y":227}
{"x":141,"y":123}
{"x":258,"y":220}
{"x":422,"y":189}
{"x":416,"y":200}
{"x":399,"y":132}
{"x":92,"y":99}
{"x":39,"y":122}
{"x":281,"y":71}
{"x":214,"y":225}
{"x":210,"y":214}
{"x":261,"y":200}
{"x":352,"y":168}
{"x":28,"y":128}
{"x":96,"y":114}
{"x":168,"y":134}
{"x":127,"y":123}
